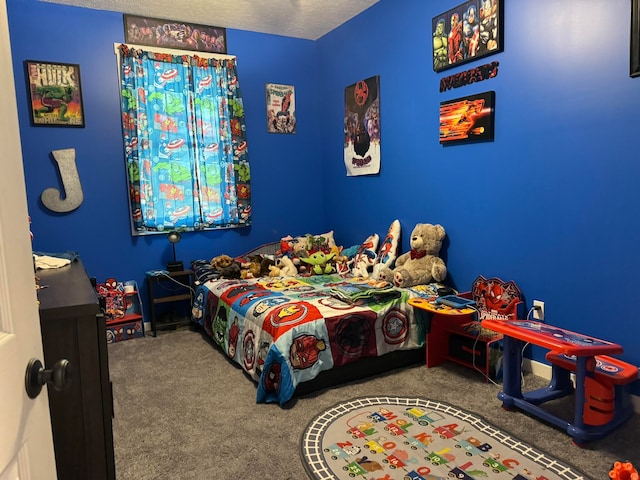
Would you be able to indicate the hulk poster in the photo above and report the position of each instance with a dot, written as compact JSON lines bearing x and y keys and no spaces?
{"x":55,"y":95}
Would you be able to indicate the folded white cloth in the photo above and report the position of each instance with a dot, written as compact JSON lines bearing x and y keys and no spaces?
{"x":44,"y":262}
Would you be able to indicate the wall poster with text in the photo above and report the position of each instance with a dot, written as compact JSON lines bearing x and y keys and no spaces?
{"x":281,"y":108}
{"x":55,"y":95}
{"x":362,"y":127}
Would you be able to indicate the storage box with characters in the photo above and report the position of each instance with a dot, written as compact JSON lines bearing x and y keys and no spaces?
{"x":122,"y":308}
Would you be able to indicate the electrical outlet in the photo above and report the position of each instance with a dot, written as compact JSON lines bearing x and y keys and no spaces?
{"x":538,"y":310}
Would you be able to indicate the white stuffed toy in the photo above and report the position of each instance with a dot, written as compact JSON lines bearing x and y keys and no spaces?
{"x":421,"y":265}
{"x":286,"y":266}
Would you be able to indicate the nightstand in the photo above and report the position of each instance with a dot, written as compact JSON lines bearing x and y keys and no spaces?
{"x":169,"y":287}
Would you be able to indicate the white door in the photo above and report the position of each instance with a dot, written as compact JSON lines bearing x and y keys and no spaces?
{"x":26,"y":444}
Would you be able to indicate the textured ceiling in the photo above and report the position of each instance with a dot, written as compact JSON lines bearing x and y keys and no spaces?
{"x":308,"y":19}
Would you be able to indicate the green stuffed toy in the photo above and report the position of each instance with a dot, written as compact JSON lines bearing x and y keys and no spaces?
{"x":320,"y":262}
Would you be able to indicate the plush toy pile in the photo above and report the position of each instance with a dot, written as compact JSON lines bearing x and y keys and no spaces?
{"x":319,"y":255}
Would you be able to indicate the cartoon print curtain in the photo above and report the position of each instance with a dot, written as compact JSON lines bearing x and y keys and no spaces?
{"x":185,"y":142}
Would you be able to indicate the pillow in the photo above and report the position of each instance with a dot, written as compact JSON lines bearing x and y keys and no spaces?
{"x":365,"y":257}
{"x":388,"y":251}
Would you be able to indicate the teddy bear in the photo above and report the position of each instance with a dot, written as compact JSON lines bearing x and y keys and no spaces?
{"x":226,"y":266}
{"x":422,"y":264}
{"x":251,"y":268}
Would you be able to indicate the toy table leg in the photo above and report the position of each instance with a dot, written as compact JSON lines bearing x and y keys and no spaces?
{"x":512,"y":370}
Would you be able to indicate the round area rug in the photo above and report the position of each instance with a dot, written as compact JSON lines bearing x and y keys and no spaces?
{"x":412,"y":439}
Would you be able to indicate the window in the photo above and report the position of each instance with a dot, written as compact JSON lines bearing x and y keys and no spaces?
{"x":185,"y":142}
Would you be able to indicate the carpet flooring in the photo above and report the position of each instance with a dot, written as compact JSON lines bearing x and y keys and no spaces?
{"x":183,"y":411}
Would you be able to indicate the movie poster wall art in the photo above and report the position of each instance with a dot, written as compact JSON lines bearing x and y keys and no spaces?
{"x":281,"y":108}
{"x":470,"y":31}
{"x":55,"y":95}
{"x":468,"y":119}
{"x":156,"y":32}
{"x":362,"y":127}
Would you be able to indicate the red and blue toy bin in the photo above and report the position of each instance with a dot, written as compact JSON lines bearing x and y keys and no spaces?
{"x":123,"y":310}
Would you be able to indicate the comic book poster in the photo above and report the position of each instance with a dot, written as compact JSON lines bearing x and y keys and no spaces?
{"x":281,"y":108}
{"x":362,"y":127}
{"x":55,"y":97}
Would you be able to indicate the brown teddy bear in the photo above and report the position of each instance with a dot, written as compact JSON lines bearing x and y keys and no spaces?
{"x":226,"y":266}
{"x":251,"y":269}
{"x":421,"y":265}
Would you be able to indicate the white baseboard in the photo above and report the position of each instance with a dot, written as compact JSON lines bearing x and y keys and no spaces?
{"x":543,"y":370}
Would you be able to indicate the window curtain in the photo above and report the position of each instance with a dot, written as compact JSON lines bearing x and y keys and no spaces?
{"x":185,"y":142}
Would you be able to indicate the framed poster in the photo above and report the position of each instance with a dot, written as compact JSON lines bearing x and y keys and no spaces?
{"x":281,"y":108}
{"x":157,"y":32}
{"x":634,"y":70}
{"x":55,"y":94}
{"x":468,"y":119}
{"x":362,"y":127}
{"x":472,"y":30}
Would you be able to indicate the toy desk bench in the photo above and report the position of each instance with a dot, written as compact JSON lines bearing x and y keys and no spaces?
{"x":601,"y":400}
{"x":606,"y":388}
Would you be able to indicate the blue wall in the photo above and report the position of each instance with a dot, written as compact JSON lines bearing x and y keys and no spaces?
{"x":99,"y":229}
{"x":552,"y":203}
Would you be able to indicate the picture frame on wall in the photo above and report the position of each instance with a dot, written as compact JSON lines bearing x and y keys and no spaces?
{"x":468,"y":119}
{"x":55,"y":94}
{"x":362,"y":131}
{"x":634,"y":66}
{"x":472,"y":30}
{"x":158,"y":32}
{"x":281,"y":108}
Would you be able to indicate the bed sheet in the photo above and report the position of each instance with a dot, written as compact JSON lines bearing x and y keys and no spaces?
{"x":284,"y":331}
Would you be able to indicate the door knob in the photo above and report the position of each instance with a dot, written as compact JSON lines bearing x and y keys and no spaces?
{"x":36,"y":376}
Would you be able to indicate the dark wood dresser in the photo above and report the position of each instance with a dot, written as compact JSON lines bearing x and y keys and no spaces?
{"x":73,"y":327}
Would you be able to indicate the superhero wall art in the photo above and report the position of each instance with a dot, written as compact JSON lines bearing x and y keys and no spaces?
{"x":362,"y":127}
{"x":467,"y":119}
{"x":281,"y":108}
{"x":55,"y":98}
{"x":472,"y":30}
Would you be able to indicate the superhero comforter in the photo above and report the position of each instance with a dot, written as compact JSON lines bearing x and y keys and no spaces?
{"x":284,"y":331}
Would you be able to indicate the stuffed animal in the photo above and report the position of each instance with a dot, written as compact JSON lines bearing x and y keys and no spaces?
{"x":319,"y":262}
{"x":266,"y":262}
{"x":286,"y":266}
{"x":226,"y":266}
{"x":422,"y":264}
{"x":274,"y":271}
{"x":251,"y":269}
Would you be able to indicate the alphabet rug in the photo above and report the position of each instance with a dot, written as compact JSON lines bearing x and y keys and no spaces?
{"x":388,"y":438}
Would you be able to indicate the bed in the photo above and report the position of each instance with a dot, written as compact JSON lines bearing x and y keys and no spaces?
{"x":295,"y":334}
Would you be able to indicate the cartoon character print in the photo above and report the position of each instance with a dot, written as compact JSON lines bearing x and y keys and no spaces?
{"x":271,"y":378}
{"x":264,"y":305}
{"x":234,"y":334}
{"x":352,"y":336}
{"x":249,"y":350}
{"x":220,"y":325}
{"x":305,"y":350}
{"x":495,"y":298}
{"x":210,"y":314}
{"x":286,"y":316}
{"x":263,"y":350}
